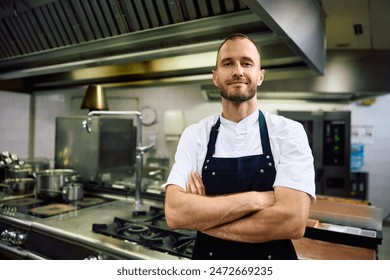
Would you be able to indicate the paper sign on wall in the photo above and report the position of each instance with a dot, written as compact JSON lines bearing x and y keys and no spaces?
{"x":363,"y":134}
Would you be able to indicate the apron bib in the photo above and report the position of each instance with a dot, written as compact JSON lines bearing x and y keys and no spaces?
{"x":233,"y":175}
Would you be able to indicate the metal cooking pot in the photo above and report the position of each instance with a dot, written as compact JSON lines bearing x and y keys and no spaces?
{"x":49,"y":182}
{"x":19,"y":186}
{"x":18,"y":173}
{"x":72,"y":192}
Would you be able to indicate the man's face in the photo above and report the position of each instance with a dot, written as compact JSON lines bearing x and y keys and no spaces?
{"x":238,"y":70}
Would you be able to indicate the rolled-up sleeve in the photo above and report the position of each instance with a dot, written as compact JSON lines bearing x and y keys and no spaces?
{"x":295,"y":168}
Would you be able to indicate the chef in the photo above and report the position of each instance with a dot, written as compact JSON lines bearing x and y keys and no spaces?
{"x":243,"y":179}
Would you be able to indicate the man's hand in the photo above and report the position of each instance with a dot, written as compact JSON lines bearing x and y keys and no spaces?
{"x":195,"y":184}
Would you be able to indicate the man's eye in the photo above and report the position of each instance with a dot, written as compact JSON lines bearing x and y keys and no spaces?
{"x":226,"y":64}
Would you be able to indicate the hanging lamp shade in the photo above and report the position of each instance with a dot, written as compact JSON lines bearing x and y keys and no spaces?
{"x":94,"y":99}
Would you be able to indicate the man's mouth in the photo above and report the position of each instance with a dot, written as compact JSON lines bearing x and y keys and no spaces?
{"x":237,"y":83}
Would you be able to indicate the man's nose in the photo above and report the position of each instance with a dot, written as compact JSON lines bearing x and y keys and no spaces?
{"x":238,"y":70}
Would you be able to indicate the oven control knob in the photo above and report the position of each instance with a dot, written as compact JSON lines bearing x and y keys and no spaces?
{"x":20,"y":239}
{"x":14,"y":237}
{"x":4,"y":235}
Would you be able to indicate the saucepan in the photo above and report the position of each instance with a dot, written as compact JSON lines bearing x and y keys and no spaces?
{"x":72,"y":192}
{"x":18,"y":186}
{"x":49,"y":182}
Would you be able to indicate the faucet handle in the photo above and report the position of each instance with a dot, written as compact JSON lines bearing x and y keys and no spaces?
{"x":145,"y":149}
{"x":87,"y":125}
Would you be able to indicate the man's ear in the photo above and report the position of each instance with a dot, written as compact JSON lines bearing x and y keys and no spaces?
{"x":215,"y":77}
{"x":260,"y":78}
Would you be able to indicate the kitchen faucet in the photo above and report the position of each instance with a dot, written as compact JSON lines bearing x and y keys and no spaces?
{"x":140,"y":150}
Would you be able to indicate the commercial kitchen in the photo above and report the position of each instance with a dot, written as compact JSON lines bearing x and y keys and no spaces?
{"x":94,"y":96}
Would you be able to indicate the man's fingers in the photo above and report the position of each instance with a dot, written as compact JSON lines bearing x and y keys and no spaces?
{"x":195,"y":184}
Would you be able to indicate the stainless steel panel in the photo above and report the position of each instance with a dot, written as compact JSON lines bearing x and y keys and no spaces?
{"x":18,"y":40}
{"x":229,"y":5}
{"x":91,"y":18}
{"x":204,"y":11}
{"x":140,"y":11}
{"x":52,"y":26}
{"x":75,"y":26}
{"x":118,"y":17}
{"x":108,"y":152}
{"x":216,"y":7}
{"x":9,"y":44}
{"x":67,"y":35}
{"x":43,"y":22}
{"x":162,"y":10}
{"x":82,"y":20}
{"x":174,"y":8}
{"x":152,"y":13}
{"x":190,"y":9}
{"x":26,"y":25}
{"x":131,"y":15}
{"x":38,"y":31}
{"x":108,"y":17}
{"x":21,"y":32}
{"x":100,"y":18}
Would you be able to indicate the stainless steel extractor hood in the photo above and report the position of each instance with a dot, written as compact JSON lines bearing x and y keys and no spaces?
{"x":49,"y":44}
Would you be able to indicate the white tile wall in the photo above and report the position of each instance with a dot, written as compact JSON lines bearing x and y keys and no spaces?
{"x":14,"y":123}
{"x":190,"y":100}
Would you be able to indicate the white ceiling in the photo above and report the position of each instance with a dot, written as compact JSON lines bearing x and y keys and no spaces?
{"x":372,"y":15}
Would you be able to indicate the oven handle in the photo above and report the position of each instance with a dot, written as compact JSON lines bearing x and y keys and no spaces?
{"x":19,"y":253}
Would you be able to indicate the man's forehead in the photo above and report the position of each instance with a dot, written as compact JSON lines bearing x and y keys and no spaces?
{"x":239,"y":48}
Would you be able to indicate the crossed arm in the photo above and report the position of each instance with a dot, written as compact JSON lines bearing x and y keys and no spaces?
{"x":245,"y":217}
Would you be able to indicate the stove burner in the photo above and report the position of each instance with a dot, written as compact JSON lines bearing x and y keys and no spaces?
{"x":150,"y":231}
{"x":153,"y":238}
{"x":137,"y":228}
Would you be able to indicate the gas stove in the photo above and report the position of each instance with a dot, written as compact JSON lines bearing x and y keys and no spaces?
{"x":36,"y":207}
{"x":149,"y":229}
{"x":22,"y":235}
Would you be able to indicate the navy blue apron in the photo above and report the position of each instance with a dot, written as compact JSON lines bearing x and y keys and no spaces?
{"x":233,"y":175}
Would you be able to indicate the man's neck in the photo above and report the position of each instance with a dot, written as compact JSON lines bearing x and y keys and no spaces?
{"x":237,"y":111}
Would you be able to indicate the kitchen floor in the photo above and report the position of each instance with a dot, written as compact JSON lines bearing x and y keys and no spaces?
{"x":384,"y":251}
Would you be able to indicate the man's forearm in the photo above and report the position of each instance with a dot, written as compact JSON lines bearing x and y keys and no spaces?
{"x":284,"y":220}
{"x":197,"y":212}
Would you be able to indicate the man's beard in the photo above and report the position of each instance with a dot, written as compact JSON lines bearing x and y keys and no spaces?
{"x":238,"y":97}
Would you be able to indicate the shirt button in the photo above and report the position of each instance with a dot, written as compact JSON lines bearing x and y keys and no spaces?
{"x":210,"y":254}
{"x":205,"y":167}
{"x":261,"y":170}
{"x":213,"y":173}
{"x":267,"y":157}
{"x":207,"y":161}
{"x":269,"y":257}
{"x":270,"y":164}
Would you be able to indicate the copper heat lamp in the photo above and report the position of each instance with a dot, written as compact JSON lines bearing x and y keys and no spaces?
{"x":94,"y":99}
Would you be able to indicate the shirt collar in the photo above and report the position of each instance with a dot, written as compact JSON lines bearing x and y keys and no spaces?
{"x":246,"y":122}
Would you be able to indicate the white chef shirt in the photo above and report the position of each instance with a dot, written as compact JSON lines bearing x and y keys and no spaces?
{"x":289,"y":145}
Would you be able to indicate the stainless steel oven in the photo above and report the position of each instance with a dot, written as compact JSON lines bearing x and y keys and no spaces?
{"x":329,"y":135}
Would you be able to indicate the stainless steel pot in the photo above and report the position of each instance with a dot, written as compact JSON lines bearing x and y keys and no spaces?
{"x":19,"y":186}
{"x":18,"y":173}
{"x":72,"y":192}
{"x":49,"y":182}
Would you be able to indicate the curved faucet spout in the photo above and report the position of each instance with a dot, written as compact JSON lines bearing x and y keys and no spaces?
{"x":87,"y":125}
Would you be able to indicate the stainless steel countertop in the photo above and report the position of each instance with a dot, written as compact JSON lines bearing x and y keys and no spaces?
{"x":76,"y":227}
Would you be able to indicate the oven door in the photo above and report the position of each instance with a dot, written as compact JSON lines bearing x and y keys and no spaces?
{"x":18,"y":240}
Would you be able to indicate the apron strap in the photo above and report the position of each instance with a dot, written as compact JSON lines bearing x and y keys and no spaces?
{"x":213,"y":138}
{"x":263,"y":135}
{"x":265,"y":143}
